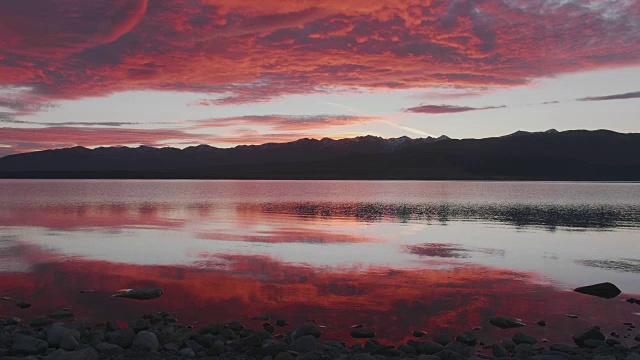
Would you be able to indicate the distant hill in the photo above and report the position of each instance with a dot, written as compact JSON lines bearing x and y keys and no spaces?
{"x":551,"y":155}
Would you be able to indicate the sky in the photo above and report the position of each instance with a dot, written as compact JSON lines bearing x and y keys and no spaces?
{"x":226,"y":73}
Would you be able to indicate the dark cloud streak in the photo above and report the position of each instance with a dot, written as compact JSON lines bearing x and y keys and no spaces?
{"x":625,"y":96}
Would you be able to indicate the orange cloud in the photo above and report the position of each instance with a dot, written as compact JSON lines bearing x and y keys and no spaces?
{"x":286,"y":122}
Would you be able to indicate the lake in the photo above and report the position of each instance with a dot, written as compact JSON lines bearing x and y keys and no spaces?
{"x":443,"y":257}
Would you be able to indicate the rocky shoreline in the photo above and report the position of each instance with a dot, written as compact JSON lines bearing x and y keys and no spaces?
{"x":59,"y":336}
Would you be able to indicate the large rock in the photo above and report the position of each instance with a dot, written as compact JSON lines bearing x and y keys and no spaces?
{"x":306,"y":329}
{"x":141,"y":294}
{"x":303,"y":344}
{"x":604,"y":290}
{"x":565,"y":348}
{"x":58,"y":332}
{"x":506,"y":322}
{"x":84,"y":354}
{"x":499,"y":351}
{"x":429,"y":347}
{"x":187,"y":353}
{"x":69,"y":342}
{"x":123,"y":337}
{"x":62,"y":314}
{"x":236,"y":326}
{"x":523,"y":351}
{"x":28,"y":345}
{"x":146,"y":340}
{"x":592,"y":333}
{"x":362,"y":334}
{"x":467,"y":338}
{"x":522,"y":338}
{"x":109,"y":349}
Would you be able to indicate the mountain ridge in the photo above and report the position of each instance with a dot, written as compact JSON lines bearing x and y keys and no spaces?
{"x":547,"y":155}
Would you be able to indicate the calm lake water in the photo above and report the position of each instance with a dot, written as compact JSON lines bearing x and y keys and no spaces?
{"x":395,"y":256}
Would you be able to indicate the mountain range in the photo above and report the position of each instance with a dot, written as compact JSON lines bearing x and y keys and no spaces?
{"x":599,"y":155}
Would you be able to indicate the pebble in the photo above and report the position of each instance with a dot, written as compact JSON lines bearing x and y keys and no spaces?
{"x":362,"y":334}
{"x":506,"y":322}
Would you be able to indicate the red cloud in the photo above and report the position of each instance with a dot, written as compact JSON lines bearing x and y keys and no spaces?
{"x":256,"y":50}
{"x":447,"y":109}
{"x":286,"y":122}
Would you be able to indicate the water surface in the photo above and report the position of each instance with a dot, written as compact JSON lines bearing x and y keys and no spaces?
{"x":394,"y":256}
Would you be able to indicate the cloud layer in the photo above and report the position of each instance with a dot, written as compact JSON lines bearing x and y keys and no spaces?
{"x":447,"y":109}
{"x":260,"y":49}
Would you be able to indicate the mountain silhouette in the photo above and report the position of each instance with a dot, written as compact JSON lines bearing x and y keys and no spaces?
{"x":600,"y":155}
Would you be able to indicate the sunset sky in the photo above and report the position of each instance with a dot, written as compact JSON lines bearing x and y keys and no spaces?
{"x":220,"y":72}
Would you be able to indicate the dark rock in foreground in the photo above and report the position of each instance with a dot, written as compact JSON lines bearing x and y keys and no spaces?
{"x":604,"y":290}
{"x":160,"y":336}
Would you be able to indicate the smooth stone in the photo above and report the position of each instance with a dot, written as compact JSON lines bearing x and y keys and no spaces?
{"x":213,"y":329}
{"x":109,"y":349}
{"x":69,"y":343}
{"x":284,"y":356}
{"x":180,"y":335}
{"x":146,"y":340}
{"x":228,"y":334}
{"x":13,"y":321}
{"x":506,"y":322}
{"x":269,"y":328}
{"x":141,"y":294}
{"x":28,"y":345}
{"x":188,"y":353}
{"x":499,"y":350}
{"x":281,"y":323}
{"x":171,"y":347}
{"x":362,"y":334}
{"x":58,"y":332}
{"x":592,"y":333}
{"x":407,"y":349}
{"x":547,"y":357}
{"x":41,"y":322}
{"x":193,"y":345}
{"x":138,"y":325}
{"x":467,"y":338}
{"x":306,"y":329}
{"x":523,"y":351}
{"x":509,"y":344}
{"x":112,"y":326}
{"x":459,"y":348}
{"x":85,"y":354}
{"x":303,"y":344}
{"x":363,"y":357}
{"x":442,"y":339}
{"x":633,"y":356}
{"x":565,"y":348}
{"x":419,"y":333}
{"x":429,"y":348}
{"x":236,"y":326}
{"x":542,"y":323}
{"x":449,"y":355}
{"x":23,"y":305}
{"x":572,"y":316}
{"x":62,"y":314}
{"x":123,"y":337}
{"x":522,"y":338}
{"x":593,"y":343}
